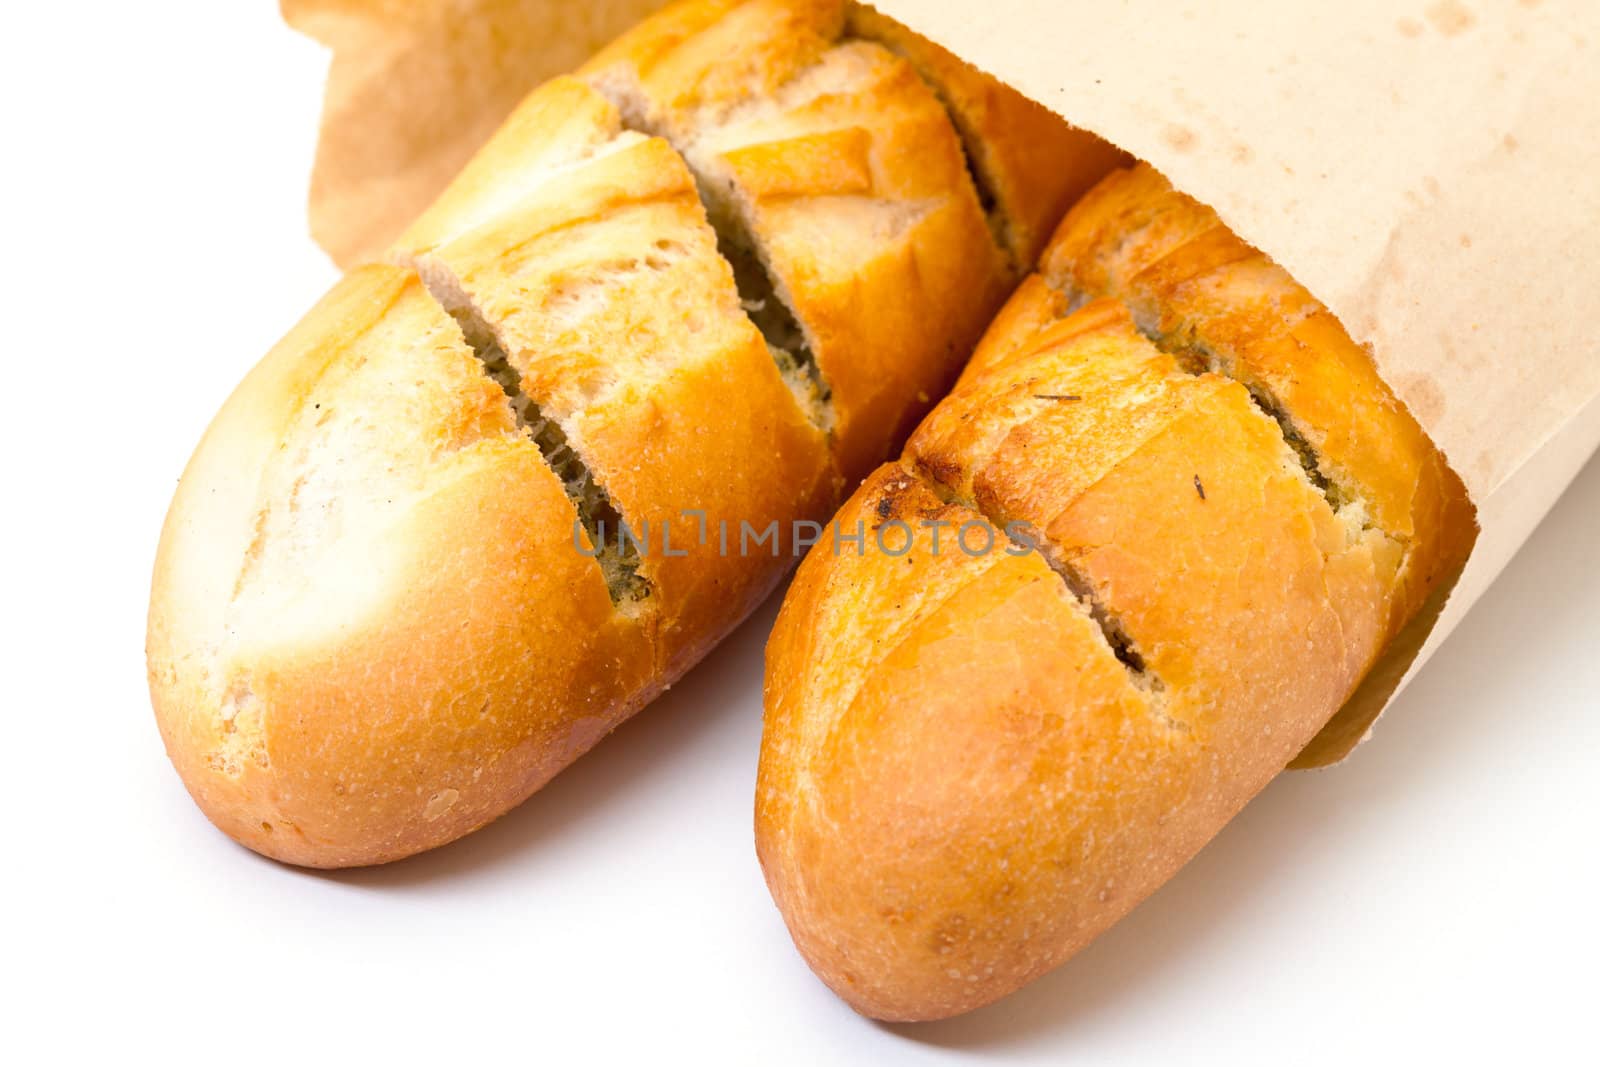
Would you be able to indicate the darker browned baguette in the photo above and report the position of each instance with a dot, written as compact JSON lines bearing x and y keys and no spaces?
{"x":974,"y":762}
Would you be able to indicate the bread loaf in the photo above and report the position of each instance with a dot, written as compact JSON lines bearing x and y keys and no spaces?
{"x":1181,"y":516}
{"x":394,"y":593}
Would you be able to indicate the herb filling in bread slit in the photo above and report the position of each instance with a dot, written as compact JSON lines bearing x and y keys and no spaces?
{"x":1196,"y":357}
{"x":617,"y":553}
{"x":759,"y":290}
{"x":1110,"y":626}
{"x":772,"y":315}
{"x":1028,"y":538}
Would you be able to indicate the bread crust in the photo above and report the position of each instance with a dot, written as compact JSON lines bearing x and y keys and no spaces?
{"x":971,"y":767}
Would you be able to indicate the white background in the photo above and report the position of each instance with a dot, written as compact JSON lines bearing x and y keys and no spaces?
{"x":1436,"y":897}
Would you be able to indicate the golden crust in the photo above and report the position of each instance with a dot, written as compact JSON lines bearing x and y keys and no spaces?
{"x":334,"y":602}
{"x":971,"y":767}
{"x":979,"y":689}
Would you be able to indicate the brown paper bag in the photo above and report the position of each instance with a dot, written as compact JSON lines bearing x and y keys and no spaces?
{"x":1430,"y":169}
{"x":417,"y":85}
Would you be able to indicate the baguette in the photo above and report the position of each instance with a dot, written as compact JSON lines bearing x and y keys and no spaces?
{"x":1194,"y":515}
{"x":393,"y":595}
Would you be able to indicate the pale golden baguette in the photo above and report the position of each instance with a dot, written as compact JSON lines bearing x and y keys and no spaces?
{"x":375,"y":622}
{"x":1194,"y":517}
